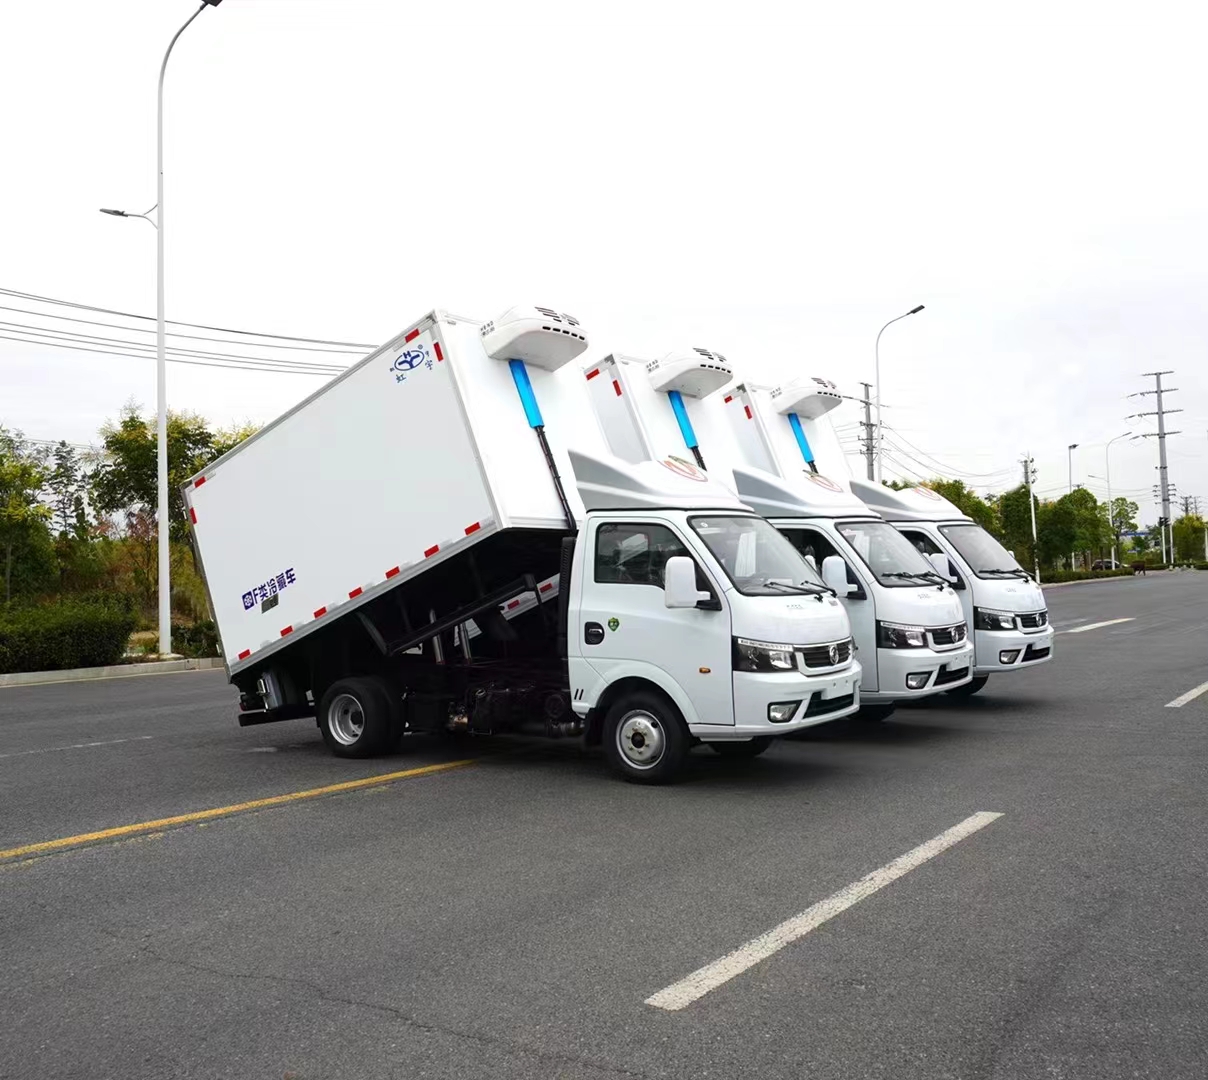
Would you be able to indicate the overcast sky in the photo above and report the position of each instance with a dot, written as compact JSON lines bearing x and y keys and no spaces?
{"x":767,"y":180}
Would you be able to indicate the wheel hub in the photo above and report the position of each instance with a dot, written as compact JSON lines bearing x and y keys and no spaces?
{"x":641,"y":739}
{"x":345,"y":719}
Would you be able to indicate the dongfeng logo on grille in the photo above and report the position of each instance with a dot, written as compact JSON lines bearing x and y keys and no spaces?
{"x":834,"y":654}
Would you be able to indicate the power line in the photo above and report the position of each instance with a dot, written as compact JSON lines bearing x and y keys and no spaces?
{"x":146,"y":347}
{"x":178,"y":334}
{"x":175,"y":322}
{"x":233,"y":366}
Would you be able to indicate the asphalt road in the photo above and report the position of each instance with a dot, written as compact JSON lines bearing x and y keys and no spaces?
{"x":511,"y":917}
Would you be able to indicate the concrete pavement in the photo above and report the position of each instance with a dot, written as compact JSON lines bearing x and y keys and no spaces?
{"x":510,"y":919}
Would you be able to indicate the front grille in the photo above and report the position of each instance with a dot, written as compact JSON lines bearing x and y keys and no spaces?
{"x":1033,"y":620}
{"x":821,"y":656}
{"x":948,"y":635}
{"x":944,"y":676}
{"x":820,"y":706}
{"x":1033,"y":653}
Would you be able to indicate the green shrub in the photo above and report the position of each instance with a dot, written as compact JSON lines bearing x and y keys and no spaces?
{"x":56,"y":637}
{"x":199,"y":639}
{"x":1201,"y":565}
{"x":1052,"y":576}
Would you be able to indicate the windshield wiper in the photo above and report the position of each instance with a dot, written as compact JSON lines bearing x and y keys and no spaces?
{"x":926,"y":575}
{"x":1017,"y":572}
{"x":804,"y":589}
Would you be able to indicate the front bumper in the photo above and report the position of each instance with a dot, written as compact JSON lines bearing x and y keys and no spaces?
{"x":1030,"y":648}
{"x":894,"y":665}
{"x":822,"y":698}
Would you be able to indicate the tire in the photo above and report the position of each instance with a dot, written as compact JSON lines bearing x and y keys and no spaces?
{"x":970,"y":688}
{"x":874,"y":714}
{"x":749,"y":749}
{"x":645,"y":739}
{"x":357,"y":716}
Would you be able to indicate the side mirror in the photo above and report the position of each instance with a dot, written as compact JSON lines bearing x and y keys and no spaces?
{"x":679,"y":583}
{"x":943,"y":565}
{"x":834,"y":573}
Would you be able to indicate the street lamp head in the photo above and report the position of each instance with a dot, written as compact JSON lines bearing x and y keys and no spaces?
{"x":212,"y":3}
{"x":1072,"y":446}
{"x":915,"y":311}
{"x":115,"y":213}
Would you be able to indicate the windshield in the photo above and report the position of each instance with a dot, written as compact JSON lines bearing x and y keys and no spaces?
{"x":986,"y":557}
{"x":757,"y":558}
{"x":892,"y":558}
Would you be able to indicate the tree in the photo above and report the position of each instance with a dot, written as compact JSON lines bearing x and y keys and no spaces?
{"x":969,"y":502}
{"x":1123,"y":518}
{"x":1189,"y":537}
{"x":1016,"y":521}
{"x":23,"y":532}
{"x":126,"y":481}
{"x":66,"y":489}
{"x":1056,"y":530}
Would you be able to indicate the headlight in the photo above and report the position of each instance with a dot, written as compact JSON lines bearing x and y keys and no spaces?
{"x":897,"y":636}
{"x":959,"y":632}
{"x":762,"y":656}
{"x":990,"y":619}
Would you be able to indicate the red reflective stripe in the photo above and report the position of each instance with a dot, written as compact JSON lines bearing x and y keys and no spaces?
{"x":355,"y":593}
{"x":512,"y":604}
{"x":288,"y":630}
{"x":245,"y":654}
{"x":547,"y":586}
{"x":617,"y":387}
{"x":199,"y":481}
{"x":439,"y":355}
{"x":192,"y":515}
{"x":729,"y":398}
{"x":471,"y":529}
{"x":748,"y":411}
{"x":412,"y":336}
{"x":320,"y":613}
{"x":431,"y":551}
{"x":593,"y":373}
{"x":392,"y":571}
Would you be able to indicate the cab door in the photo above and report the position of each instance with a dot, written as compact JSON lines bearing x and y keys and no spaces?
{"x":625,"y":628}
{"x":859,"y":604}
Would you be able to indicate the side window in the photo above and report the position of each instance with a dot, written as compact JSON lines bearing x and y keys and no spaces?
{"x":635,"y":554}
{"x":923,"y":542}
{"x":813,"y":545}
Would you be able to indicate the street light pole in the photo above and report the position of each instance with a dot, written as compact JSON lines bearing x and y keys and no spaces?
{"x":1070,"y":456}
{"x":162,"y":525}
{"x":1111,"y":511}
{"x":912,"y":311}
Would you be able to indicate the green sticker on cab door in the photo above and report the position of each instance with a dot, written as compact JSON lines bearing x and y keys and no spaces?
{"x":613,"y":623}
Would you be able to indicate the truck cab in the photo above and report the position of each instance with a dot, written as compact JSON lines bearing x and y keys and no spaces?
{"x":907,"y":622}
{"x":1003,"y":607}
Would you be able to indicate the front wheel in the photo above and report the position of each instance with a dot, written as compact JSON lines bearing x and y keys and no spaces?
{"x":970,"y":688}
{"x":749,"y":749}
{"x":356,"y":716}
{"x":645,"y":740}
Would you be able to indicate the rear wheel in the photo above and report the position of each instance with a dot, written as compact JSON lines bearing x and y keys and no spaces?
{"x":357,"y":716}
{"x":645,"y":740}
{"x":749,"y":749}
{"x":970,"y":688}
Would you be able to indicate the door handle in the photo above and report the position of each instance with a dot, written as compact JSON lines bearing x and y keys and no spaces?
{"x":593,"y":633}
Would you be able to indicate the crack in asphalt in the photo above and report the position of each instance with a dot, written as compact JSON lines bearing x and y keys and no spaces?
{"x":407,"y":1019}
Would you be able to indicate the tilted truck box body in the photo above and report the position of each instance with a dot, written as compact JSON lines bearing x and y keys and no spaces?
{"x":413,"y":454}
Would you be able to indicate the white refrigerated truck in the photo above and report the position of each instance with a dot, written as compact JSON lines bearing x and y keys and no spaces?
{"x":907,"y":622}
{"x":1004,"y":607}
{"x":439,"y":540}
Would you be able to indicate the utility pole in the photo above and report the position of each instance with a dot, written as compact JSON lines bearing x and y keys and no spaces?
{"x":870,"y":453}
{"x":1029,"y":476}
{"x":1163,"y":472}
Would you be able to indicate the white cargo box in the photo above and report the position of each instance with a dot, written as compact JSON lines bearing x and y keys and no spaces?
{"x":416,"y":452}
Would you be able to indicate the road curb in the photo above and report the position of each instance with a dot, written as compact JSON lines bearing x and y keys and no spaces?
{"x":1094,"y":580}
{"x":116,"y":671}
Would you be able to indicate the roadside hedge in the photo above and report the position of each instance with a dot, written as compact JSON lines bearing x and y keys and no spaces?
{"x":198,"y":639}
{"x":56,"y":637}
{"x":1053,"y":576}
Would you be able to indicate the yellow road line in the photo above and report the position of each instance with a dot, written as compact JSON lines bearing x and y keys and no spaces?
{"x":224,"y":811}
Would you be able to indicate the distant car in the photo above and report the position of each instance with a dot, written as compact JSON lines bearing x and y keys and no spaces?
{"x":1105,"y":564}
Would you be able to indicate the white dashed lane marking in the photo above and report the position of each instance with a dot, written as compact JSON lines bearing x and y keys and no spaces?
{"x":1191,"y":695}
{"x":1094,"y":626}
